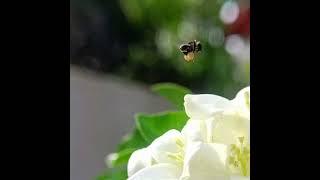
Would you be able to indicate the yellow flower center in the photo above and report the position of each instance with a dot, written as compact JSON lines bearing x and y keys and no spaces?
{"x":179,"y":156}
{"x":239,"y":157}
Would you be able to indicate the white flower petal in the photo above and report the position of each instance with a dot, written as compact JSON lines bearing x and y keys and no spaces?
{"x":210,"y":125}
{"x":195,"y":130}
{"x":243,"y":96}
{"x":139,"y":160}
{"x":158,"y":172}
{"x":229,"y":127}
{"x":239,"y":178}
{"x":205,"y":161}
{"x":242,"y":100}
{"x":168,"y":143}
{"x":204,"y":105}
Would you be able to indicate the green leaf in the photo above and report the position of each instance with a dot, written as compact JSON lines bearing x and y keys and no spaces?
{"x":121,"y":158}
{"x":133,"y":140}
{"x":172,"y":92}
{"x":128,"y":145}
{"x":154,"y":125}
{"x":116,"y":174}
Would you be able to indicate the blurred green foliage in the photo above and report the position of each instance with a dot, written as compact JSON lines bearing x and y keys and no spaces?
{"x":154,"y":29}
{"x":166,"y":24}
{"x":116,"y":174}
{"x":172,"y":92}
{"x":151,"y":126}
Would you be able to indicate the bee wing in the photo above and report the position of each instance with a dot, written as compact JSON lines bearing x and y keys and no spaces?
{"x":184,"y":47}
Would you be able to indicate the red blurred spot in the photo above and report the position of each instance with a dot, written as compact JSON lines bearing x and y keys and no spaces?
{"x":242,"y":24}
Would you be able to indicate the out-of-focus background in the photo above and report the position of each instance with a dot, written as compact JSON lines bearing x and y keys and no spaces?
{"x":118,"y":48}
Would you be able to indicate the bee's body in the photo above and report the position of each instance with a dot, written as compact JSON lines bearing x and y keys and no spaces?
{"x":190,"y":49}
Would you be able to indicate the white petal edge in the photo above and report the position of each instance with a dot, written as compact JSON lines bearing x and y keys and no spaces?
{"x":205,"y":161}
{"x":195,"y":130}
{"x":239,"y":178}
{"x":158,"y":172}
{"x":138,"y":160}
{"x":203,"y":106}
{"x":167,"y":143}
{"x":242,"y":100}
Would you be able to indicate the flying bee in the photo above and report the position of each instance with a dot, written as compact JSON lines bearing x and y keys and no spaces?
{"x":189,"y":50}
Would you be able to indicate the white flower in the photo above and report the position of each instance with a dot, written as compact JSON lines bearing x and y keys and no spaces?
{"x":162,"y":159}
{"x":204,"y":106}
{"x":214,"y":144}
{"x":214,"y":119}
{"x":217,"y":119}
{"x":139,"y":160}
{"x":168,"y":158}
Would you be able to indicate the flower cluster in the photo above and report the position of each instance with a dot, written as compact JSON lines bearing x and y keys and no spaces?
{"x":214,"y":143}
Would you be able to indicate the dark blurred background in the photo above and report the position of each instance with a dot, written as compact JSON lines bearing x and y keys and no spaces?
{"x":122,"y":46}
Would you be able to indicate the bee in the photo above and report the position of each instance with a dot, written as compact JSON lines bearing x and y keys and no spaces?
{"x":189,"y":50}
